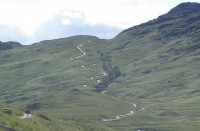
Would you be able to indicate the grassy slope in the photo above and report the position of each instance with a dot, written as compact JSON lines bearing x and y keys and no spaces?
{"x":44,"y":77}
{"x":160,"y":65}
{"x":33,"y":124}
{"x":40,"y":122}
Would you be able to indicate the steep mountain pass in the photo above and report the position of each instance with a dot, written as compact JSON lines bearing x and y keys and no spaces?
{"x":54,"y":78}
{"x":154,"y":65}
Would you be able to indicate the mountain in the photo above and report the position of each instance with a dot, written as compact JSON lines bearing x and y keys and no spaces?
{"x":169,"y":43}
{"x":9,"y":45}
{"x":146,"y":78}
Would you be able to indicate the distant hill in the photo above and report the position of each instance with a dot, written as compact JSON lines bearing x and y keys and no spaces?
{"x":9,"y":45}
{"x":147,"y":77}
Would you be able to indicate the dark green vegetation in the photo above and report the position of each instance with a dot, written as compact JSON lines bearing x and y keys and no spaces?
{"x":154,"y":65}
{"x":112,"y":72}
{"x":9,"y":45}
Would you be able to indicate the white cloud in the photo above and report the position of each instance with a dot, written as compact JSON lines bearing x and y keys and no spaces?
{"x":122,"y":14}
{"x":72,"y":14}
{"x":66,"y":21}
{"x":27,"y":16}
{"x":30,"y":15}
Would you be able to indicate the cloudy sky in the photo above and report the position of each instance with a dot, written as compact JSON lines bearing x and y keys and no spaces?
{"x":29,"y":21}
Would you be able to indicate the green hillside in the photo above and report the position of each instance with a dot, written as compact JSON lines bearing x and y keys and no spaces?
{"x":15,"y":123}
{"x":44,"y":78}
{"x":41,"y":122}
{"x":160,"y":60}
{"x":146,"y":78}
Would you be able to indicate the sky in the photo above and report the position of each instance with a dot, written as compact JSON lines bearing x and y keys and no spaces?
{"x":31,"y":21}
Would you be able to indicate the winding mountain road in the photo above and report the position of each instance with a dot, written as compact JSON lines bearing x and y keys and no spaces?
{"x":79,"y":47}
{"x":117,"y":117}
{"x":25,"y":116}
{"x":83,"y":54}
{"x":103,"y":92}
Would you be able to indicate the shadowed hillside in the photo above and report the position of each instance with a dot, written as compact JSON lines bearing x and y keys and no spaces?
{"x":9,"y":45}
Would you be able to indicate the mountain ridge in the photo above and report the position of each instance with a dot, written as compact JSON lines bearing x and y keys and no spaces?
{"x":183,"y":9}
